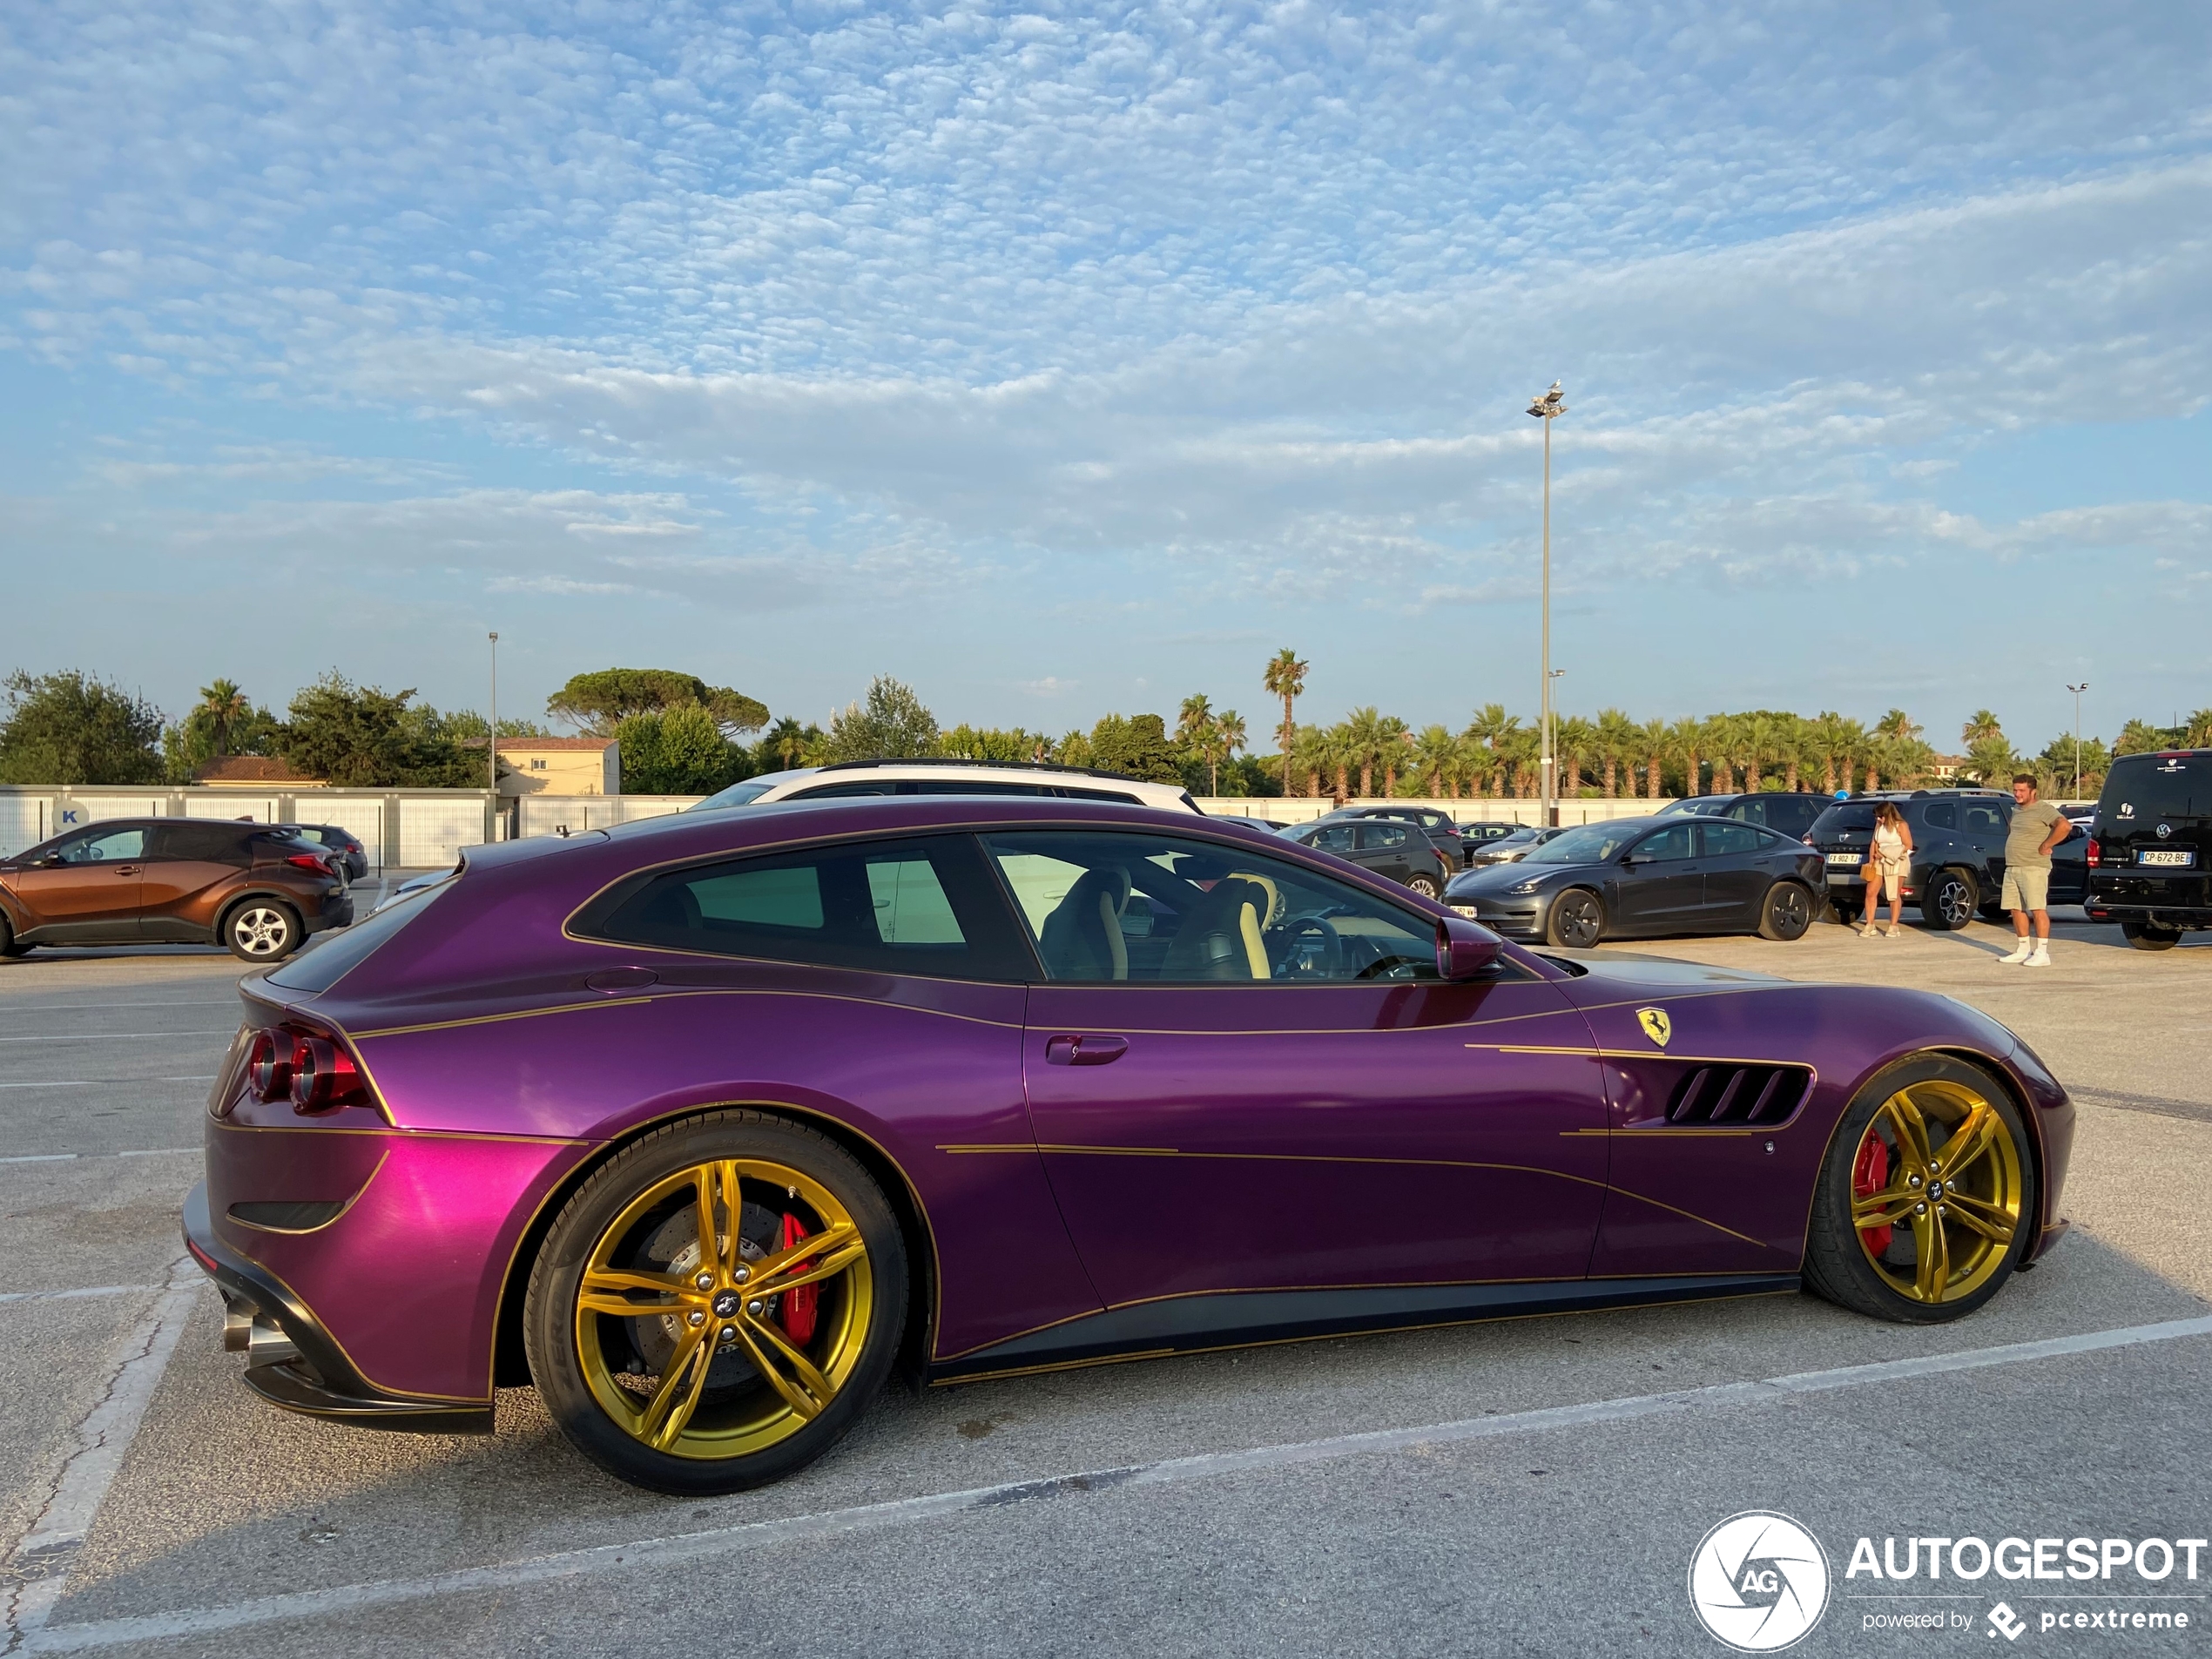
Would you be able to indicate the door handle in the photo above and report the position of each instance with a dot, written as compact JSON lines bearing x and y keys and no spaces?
{"x":1084,"y":1050}
{"x":127,"y":869}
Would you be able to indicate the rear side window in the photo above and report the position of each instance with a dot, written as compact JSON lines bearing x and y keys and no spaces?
{"x":1983,"y":822}
{"x":2152,"y":789}
{"x":1374,"y":836}
{"x":206,"y":843}
{"x":1940,"y":814}
{"x":924,"y":907}
{"x":1727,"y":840}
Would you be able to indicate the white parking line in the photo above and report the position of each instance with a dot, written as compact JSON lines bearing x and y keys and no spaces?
{"x":123,"y":1036}
{"x":753,"y":1535}
{"x":40,"y":1561}
{"x":179,"y":1002}
{"x":71,"y":1295}
{"x":72,"y":1157}
{"x":107,"y":1082}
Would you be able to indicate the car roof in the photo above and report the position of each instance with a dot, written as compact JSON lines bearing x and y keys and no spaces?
{"x":976,"y":771}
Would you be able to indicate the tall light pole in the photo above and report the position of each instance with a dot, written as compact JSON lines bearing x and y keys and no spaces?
{"x":1547,"y":408}
{"x":492,"y":739}
{"x":2077,"y":690}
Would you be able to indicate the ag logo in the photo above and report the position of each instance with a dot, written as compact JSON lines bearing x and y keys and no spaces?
{"x":1655,"y":1024}
{"x":1759,"y":1582}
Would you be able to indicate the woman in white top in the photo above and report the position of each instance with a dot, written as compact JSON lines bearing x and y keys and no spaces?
{"x":1886,"y":862}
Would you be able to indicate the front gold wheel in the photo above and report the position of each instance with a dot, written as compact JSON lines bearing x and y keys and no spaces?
{"x":716,"y":1306}
{"x":1937,"y":1191}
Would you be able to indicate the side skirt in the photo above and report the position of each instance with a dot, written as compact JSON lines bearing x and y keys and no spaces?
{"x":1250,"y":1318}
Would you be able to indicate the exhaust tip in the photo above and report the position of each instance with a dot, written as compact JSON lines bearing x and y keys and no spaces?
{"x":265,"y":1343}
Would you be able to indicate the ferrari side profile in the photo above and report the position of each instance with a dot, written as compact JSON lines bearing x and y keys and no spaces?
{"x":706,"y":1125}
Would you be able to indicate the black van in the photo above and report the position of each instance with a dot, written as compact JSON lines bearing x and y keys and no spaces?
{"x":2149,"y":846}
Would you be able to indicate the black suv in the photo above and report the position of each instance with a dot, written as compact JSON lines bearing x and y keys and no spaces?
{"x":1958,"y":854}
{"x":1443,"y":834}
{"x":2150,"y":845}
{"x":1793,"y":813}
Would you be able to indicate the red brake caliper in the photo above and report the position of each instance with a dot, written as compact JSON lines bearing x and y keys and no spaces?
{"x":798,"y":1304}
{"x":1868,"y":1176}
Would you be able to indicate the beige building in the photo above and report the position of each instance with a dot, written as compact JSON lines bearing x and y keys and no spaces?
{"x":559,"y":766}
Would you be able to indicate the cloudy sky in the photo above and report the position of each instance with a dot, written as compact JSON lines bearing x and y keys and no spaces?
{"x":1071,"y":360}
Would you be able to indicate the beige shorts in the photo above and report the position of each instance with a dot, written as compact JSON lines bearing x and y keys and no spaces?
{"x":2026,"y":889}
{"x":1884,"y":879}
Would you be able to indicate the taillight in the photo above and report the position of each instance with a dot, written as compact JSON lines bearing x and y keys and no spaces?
{"x":323,"y":1075}
{"x":268,"y":1065}
{"x":309,"y":861}
{"x":2095,"y":854}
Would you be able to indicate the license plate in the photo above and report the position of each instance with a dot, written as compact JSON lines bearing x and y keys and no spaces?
{"x":1847,"y":857}
{"x":2172,"y":858}
{"x":1466,"y":910}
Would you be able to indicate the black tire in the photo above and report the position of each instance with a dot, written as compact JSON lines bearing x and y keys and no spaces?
{"x":1576,"y":922}
{"x":1427,"y":886}
{"x":8,"y":944}
{"x":1949,"y":901}
{"x":860,"y":1334}
{"x":1838,"y":1268}
{"x":1786,"y":912}
{"x":260,"y":930}
{"x":2145,"y":937}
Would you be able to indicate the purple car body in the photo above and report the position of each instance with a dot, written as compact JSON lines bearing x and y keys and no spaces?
{"x":1256,"y":1161}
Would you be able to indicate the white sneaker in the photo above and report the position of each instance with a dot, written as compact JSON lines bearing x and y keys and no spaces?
{"x":2020,"y":952}
{"x":2042,"y":957}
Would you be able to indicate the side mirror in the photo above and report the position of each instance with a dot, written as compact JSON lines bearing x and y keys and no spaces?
{"x":1463,"y":950}
{"x":51,"y":861}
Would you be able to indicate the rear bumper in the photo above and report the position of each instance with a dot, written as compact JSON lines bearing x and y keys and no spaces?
{"x":2149,"y":915}
{"x":322,"y":1381}
{"x":337,"y":911}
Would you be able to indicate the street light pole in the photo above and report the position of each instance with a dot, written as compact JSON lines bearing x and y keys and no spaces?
{"x":2077,"y":690}
{"x":492,"y":739}
{"x":1547,"y":408}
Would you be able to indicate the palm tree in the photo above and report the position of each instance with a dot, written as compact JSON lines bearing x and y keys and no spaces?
{"x":2196,"y":731}
{"x":1980,"y":726}
{"x":1687,"y":739}
{"x":1311,"y":752}
{"x":1362,"y":730}
{"x":1651,"y":738}
{"x":1833,"y":741}
{"x":1195,"y":731}
{"x":1490,"y":729}
{"x":2138,"y":737}
{"x":1436,"y":752}
{"x":786,"y":740}
{"x":1228,"y":738}
{"x":1285,"y":677}
{"x":1722,"y":740}
{"x":1572,"y":738}
{"x":1520,"y":751}
{"x":1755,"y":746}
{"x":1618,"y":739}
{"x":225,"y":705}
{"x":1790,"y":748}
{"x":1397,"y":747}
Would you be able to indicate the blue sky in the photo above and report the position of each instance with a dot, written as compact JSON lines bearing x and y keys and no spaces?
{"x":1068,"y":361}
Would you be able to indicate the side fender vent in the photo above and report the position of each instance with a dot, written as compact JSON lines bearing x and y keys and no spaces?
{"x":1726,"y":1094}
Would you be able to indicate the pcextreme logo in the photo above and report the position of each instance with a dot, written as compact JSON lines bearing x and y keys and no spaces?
{"x":1758,"y":1581}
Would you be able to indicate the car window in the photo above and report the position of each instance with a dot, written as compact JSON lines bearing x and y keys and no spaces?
{"x":2153,"y":789}
{"x":1983,"y":822}
{"x":920,"y":906}
{"x":1671,"y":843}
{"x":1375,"y":836}
{"x":973,"y":786}
{"x":1332,"y":838}
{"x":1109,"y":906}
{"x":103,"y":846}
{"x":1940,"y":814}
{"x":207,"y":843}
{"x":842,"y":792}
{"x":1724,"y":839}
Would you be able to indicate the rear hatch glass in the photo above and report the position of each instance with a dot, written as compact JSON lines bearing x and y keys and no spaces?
{"x":2148,"y":790}
{"x":1841,"y":819}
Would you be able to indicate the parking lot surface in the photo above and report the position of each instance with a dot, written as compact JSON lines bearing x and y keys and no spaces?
{"x":1533,"y":1486}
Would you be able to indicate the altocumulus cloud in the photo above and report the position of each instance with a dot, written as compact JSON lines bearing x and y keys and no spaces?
{"x":886,"y":301}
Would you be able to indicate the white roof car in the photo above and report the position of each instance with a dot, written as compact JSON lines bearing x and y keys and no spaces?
{"x":948,"y":777}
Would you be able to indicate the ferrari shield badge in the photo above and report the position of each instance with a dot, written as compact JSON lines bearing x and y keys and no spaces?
{"x":1655,"y":1024}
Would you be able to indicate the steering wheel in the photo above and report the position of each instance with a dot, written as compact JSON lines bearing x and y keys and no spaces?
{"x":1311,"y":948}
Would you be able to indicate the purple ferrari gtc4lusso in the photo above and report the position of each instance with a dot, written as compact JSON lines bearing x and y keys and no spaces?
{"x":703,"y":1124}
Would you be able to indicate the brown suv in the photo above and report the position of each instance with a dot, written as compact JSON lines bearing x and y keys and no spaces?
{"x":259,"y":888}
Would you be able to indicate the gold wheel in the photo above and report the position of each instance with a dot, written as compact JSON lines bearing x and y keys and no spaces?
{"x":1937,"y":1191}
{"x":724,"y":1308}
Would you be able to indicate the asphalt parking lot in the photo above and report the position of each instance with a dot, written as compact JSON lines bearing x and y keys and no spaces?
{"x":1527,"y":1487}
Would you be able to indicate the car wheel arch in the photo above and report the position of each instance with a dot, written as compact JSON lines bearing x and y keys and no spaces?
{"x":510,"y":1364}
{"x":2000,"y":1076}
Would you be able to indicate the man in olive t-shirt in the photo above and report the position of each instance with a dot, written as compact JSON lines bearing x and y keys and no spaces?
{"x":2037,"y":827}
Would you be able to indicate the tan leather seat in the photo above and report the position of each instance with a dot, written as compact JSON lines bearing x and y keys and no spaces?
{"x":1081,"y":939}
{"x":1221,"y":939}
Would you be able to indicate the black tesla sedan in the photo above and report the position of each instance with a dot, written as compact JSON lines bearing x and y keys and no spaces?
{"x":1641,"y":876}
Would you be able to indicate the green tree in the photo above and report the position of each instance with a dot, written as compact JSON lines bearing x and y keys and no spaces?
{"x":2139,"y":737}
{"x":1137,"y":746}
{"x":1651,"y":741}
{"x":1285,"y":677}
{"x":1396,"y":751}
{"x":788,"y":743}
{"x":1572,"y":740}
{"x":466,"y":725}
{"x":224,"y":722}
{"x":682,"y":752}
{"x":1687,"y":739}
{"x":70,"y":728}
{"x":364,"y":737}
{"x":601,"y":701}
{"x":1990,"y":761}
{"x":2056,"y":769}
{"x":893,"y":724}
{"x":1617,"y":743}
{"x":2196,"y":731}
{"x":1980,"y":726}
{"x":990,"y":743}
{"x":1491,"y":728}
{"x":1436,"y":754}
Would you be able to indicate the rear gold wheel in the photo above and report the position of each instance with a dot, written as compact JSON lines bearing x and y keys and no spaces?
{"x":1928,"y":1198}
{"x":716,"y":1307}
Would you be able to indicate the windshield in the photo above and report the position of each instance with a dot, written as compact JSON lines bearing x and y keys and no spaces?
{"x":2150,"y":788}
{"x":742,"y":794}
{"x":1588,"y":844}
